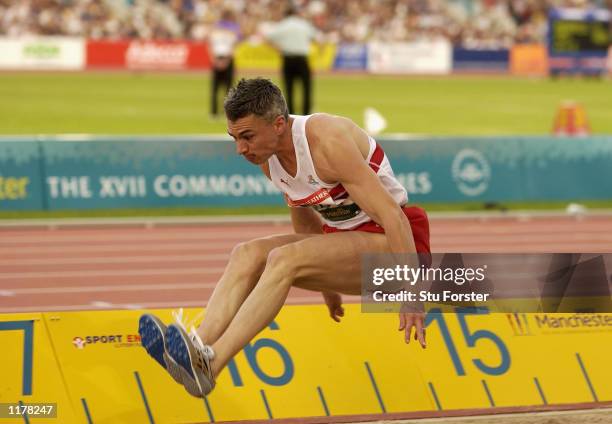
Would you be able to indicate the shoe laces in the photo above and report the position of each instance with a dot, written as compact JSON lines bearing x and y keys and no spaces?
{"x":180,"y":319}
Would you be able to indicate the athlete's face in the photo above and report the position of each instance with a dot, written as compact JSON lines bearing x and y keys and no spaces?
{"x":256,"y":138}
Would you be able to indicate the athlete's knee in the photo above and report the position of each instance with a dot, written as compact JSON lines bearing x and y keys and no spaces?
{"x":284,"y":261}
{"x":251,"y":253}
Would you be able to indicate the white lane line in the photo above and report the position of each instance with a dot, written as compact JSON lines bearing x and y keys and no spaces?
{"x":282,"y":219}
{"x":101,"y":304}
{"x":519,"y":231}
{"x":453,"y":232}
{"x":525,"y":244}
{"x":108,"y":288}
{"x":138,"y":247}
{"x":522,"y":248}
{"x":109,"y":273}
{"x":7,"y":293}
{"x":459,"y":241}
{"x":149,"y":221}
{"x":116,"y":236}
{"x":317,"y":300}
{"x":439,"y":244}
{"x":115,"y":259}
{"x":531,"y":237}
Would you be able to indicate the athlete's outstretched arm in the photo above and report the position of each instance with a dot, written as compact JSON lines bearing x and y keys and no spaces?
{"x":341,"y":160}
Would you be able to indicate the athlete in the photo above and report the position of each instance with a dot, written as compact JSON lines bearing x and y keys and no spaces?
{"x":344,"y":201}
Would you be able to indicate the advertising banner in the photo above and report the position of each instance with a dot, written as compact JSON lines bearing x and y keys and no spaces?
{"x":264,"y":57}
{"x":31,"y":376}
{"x":21,"y":176}
{"x":419,"y":57}
{"x":260,"y":56}
{"x":351,"y":57}
{"x":151,"y":173}
{"x":447,"y":170}
{"x":503,"y":168}
{"x":161,"y":172}
{"x":529,"y":59}
{"x":42,"y":53}
{"x":92,"y":366}
{"x":321,"y":56}
{"x":472,"y":60}
{"x":148,"y":55}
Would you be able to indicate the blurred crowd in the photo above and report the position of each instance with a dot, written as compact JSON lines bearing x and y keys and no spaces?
{"x":478,"y":24}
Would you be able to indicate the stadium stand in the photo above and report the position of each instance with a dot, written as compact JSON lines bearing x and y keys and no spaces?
{"x":473,"y":24}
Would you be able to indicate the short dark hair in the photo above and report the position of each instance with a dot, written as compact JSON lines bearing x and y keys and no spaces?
{"x":257,"y":96}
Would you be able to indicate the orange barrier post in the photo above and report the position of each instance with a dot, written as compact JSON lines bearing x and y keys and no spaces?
{"x":571,"y":120}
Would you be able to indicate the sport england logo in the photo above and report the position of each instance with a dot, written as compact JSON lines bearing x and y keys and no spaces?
{"x":114,"y":340}
{"x":78,"y":342}
{"x":471,"y":172}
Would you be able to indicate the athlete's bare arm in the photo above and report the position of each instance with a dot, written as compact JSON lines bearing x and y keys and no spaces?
{"x":338,"y":148}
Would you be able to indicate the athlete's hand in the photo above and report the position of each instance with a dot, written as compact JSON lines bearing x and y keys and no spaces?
{"x":334,"y":305}
{"x":416,"y":320}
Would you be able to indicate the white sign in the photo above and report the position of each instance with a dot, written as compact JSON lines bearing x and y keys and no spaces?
{"x":419,"y":57}
{"x":42,"y":53}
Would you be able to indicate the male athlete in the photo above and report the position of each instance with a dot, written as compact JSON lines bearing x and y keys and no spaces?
{"x":345,"y":201}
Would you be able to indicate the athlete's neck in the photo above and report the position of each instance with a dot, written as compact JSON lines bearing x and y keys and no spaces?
{"x":286,"y":150}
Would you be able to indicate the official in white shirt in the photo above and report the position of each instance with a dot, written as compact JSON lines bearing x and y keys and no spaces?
{"x":292,"y":36}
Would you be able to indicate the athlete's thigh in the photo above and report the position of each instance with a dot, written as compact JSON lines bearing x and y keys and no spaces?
{"x":333,"y":261}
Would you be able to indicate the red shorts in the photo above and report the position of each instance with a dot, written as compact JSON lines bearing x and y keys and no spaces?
{"x":418,"y":223}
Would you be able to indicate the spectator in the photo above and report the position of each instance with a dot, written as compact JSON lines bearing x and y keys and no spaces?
{"x":467,"y":23}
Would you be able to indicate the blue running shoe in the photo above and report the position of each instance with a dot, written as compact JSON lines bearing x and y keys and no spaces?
{"x":193,"y":358}
{"x":152,"y":335}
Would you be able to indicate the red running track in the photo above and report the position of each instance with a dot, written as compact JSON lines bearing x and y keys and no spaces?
{"x":77,"y":268}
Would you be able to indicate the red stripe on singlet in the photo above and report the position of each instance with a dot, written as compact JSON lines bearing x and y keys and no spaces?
{"x":377,"y":158}
{"x":338,"y":192}
{"x":313,"y":199}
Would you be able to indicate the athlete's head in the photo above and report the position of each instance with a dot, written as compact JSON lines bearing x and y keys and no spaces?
{"x":257,"y":118}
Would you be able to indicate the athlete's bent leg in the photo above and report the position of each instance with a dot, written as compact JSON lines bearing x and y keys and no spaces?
{"x":244,"y":269}
{"x":176,"y":350}
{"x":329,"y":262}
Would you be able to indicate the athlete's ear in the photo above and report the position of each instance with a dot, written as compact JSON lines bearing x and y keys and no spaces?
{"x":280,"y":123}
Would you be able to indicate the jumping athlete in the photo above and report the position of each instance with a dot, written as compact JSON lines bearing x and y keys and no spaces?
{"x":344,"y":201}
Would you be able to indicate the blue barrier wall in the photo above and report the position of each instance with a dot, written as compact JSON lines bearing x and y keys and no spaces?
{"x":190,"y":171}
{"x":481,"y":60}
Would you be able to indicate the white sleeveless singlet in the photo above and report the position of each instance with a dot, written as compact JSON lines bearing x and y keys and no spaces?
{"x":331,"y":201}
